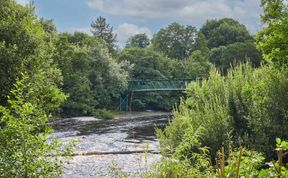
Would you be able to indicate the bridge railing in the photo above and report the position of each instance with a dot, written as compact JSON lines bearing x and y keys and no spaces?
{"x":157,"y":85}
{"x":150,"y":85}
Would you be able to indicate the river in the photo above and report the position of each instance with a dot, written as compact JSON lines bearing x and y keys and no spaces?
{"x":106,"y":145}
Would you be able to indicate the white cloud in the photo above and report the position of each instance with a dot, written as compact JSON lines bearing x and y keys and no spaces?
{"x":194,"y":12}
{"x":23,"y":2}
{"x":126,"y":30}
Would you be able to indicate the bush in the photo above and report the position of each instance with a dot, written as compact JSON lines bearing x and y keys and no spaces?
{"x":203,"y":115}
{"x":268,"y":108}
{"x":247,"y":106}
{"x":103,"y":114}
{"x":24,"y":150}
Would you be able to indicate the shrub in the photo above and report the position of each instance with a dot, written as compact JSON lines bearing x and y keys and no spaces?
{"x":24,"y":150}
{"x":247,"y":106}
{"x":103,"y":114}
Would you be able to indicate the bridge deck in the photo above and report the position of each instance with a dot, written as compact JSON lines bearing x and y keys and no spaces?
{"x":148,"y":86}
{"x":157,"y":85}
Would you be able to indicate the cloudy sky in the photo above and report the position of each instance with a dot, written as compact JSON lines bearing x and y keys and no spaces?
{"x":129,"y":17}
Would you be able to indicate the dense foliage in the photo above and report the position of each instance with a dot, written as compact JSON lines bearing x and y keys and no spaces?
{"x":176,"y":41}
{"x":230,"y":44}
{"x":233,"y":162}
{"x":246,"y":107}
{"x":91,"y":77}
{"x":29,"y":91}
{"x":138,"y":40}
{"x":24,"y":49}
{"x":224,"y":32}
{"x":272,"y":39}
{"x":24,"y":150}
{"x":237,"y":107}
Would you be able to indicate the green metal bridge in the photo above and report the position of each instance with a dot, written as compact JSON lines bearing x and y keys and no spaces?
{"x":150,"y":86}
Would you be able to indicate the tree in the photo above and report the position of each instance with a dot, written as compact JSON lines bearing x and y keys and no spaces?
{"x":101,"y":29}
{"x":147,"y":63}
{"x":271,"y":40}
{"x":224,"y":57}
{"x":25,"y":48}
{"x":176,"y":41}
{"x":201,"y":44}
{"x":224,"y":32}
{"x":197,"y":66}
{"x":138,"y":40}
{"x":92,"y":78}
{"x":73,"y":61}
{"x":108,"y":78}
{"x":240,"y":53}
{"x":215,"y":55}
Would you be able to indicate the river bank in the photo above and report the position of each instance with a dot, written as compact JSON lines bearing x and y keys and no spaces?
{"x":132,"y":133}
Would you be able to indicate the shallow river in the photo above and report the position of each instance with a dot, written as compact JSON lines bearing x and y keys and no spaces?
{"x":122,"y":135}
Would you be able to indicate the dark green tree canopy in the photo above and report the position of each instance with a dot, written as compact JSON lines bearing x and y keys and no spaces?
{"x":224,"y":57}
{"x":147,"y":63}
{"x":138,"y":40}
{"x":91,"y":77}
{"x":224,"y":32}
{"x":25,"y":49}
{"x":176,"y":41}
{"x":101,"y":29}
{"x":240,"y":52}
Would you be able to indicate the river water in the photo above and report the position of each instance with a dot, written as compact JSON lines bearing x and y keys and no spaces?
{"x":115,"y":139}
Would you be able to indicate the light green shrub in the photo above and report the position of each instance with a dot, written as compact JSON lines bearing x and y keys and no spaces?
{"x":247,"y":106}
{"x":24,"y":149}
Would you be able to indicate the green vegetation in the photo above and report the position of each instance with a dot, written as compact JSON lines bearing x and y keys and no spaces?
{"x":235,"y":162}
{"x":138,"y":40}
{"x":25,"y":49}
{"x":92,"y":78}
{"x":271,"y":39}
{"x":30,"y":91}
{"x":245,"y":107}
{"x":25,"y":151}
{"x":102,"y":30}
{"x":226,"y":122}
{"x":176,"y":41}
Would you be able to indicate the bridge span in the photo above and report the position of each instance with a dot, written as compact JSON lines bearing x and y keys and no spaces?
{"x":150,"y":86}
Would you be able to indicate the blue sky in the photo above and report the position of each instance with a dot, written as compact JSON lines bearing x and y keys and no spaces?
{"x":129,"y":17}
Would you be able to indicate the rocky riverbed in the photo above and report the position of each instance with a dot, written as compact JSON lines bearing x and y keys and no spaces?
{"x":104,"y":146}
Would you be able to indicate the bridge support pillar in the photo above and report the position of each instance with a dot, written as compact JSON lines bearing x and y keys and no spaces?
{"x":130,"y":101}
{"x":123,"y":103}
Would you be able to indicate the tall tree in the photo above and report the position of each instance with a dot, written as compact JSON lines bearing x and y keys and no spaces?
{"x":91,"y":78}
{"x":176,"y":41}
{"x":224,"y":32}
{"x":25,"y":49}
{"x":101,"y":29}
{"x":138,"y":40}
{"x":29,"y":83}
{"x":240,"y":52}
{"x":272,"y":39}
